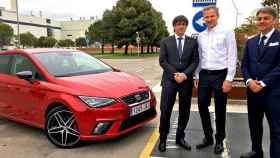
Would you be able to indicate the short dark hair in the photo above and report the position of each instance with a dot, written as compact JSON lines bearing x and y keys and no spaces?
{"x":180,"y":18}
{"x":267,"y":10}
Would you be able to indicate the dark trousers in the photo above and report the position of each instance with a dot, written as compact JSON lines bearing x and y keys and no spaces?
{"x":211,"y":82}
{"x":168,"y":97}
{"x":260,"y":104}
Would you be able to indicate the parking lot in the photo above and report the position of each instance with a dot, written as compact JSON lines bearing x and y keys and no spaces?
{"x":21,"y":141}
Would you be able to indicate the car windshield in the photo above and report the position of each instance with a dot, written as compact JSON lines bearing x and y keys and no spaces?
{"x":64,"y":64}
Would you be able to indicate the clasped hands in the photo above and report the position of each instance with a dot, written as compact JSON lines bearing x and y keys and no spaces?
{"x":255,"y":86}
{"x":180,"y":77}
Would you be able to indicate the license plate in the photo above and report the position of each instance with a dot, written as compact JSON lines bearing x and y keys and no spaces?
{"x":139,"y":108}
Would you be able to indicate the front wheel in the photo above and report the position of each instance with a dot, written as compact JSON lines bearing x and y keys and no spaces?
{"x":61,"y":128}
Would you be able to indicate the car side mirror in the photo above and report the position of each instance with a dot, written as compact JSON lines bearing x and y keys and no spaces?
{"x":26,"y":75}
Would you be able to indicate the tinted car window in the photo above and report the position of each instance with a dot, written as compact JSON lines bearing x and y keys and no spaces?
{"x":4,"y":63}
{"x":22,"y":63}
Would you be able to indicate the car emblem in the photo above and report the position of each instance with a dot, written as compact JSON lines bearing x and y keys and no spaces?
{"x":137,"y":97}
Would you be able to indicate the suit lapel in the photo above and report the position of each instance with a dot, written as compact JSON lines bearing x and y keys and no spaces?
{"x":174,"y":46}
{"x":262,"y":53}
{"x":185,"y":45}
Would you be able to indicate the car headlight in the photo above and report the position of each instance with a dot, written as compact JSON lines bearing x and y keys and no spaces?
{"x":97,"y":102}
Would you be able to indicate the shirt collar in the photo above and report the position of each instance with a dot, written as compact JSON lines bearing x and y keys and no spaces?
{"x":268,"y":35}
{"x":176,"y":36}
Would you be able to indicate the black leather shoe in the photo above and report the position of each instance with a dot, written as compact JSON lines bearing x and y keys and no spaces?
{"x":162,"y":146}
{"x":205,"y":143}
{"x":219,"y":148}
{"x":181,"y":142}
{"x":252,"y":154}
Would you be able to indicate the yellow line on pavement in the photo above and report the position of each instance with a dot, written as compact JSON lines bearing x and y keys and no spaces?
{"x":150,"y":145}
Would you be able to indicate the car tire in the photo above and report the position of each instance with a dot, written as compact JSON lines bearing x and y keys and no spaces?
{"x":61,"y":128}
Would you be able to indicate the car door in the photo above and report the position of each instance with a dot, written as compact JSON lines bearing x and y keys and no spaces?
{"x":26,"y":94}
{"x":5,"y":104}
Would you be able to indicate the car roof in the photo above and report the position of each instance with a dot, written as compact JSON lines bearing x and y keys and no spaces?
{"x":37,"y":50}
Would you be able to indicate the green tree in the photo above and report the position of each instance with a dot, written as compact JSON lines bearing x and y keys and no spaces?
{"x":50,"y":42}
{"x":40,"y":42}
{"x":27,"y":39}
{"x":81,"y":42}
{"x":135,"y":16}
{"x":6,"y":34}
{"x":98,"y":33}
{"x":47,"y":42}
{"x":128,"y":17}
{"x":66,"y":43}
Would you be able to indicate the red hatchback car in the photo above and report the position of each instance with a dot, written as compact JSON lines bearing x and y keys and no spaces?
{"x":72,"y":95}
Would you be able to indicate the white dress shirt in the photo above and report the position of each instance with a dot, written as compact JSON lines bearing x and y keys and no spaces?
{"x":268,"y":35}
{"x":182,"y":41}
{"x":217,"y":50}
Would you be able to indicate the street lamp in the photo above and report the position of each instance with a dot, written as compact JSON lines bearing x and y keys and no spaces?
{"x":138,"y":42}
{"x":237,"y":13}
{"x":18,"y":38}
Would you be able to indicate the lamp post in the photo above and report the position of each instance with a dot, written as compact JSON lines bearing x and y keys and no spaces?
{"x":237,"y":13}
{"x":18,"y":37}
{"x":138,"y":42}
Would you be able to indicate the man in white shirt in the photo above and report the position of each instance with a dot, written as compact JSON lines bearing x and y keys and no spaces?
{"x":216,"y":70}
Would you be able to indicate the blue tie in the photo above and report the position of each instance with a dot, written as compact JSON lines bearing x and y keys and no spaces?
{"x":180,"y":47}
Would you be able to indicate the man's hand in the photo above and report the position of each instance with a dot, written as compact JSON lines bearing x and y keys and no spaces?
{"x":227,"y":86}
{"x":196,"y":82}
{"x":255,"y":86}
{"x":179,"y":77}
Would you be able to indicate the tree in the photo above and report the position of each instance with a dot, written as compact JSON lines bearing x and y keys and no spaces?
{"x":50,"y":42}
{"x":27,"y":39}
{"x":66,"y":43}
{"x":98,"y":33}
{"x":46,"y":42}
{"x":81,"y":42}
{"x":135,"y":16}
{"x":160,"y":31}
{"x":6,"y":34}
{"x":125,"y":19}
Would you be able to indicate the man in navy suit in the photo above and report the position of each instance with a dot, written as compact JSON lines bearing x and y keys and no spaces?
{"x":261,"y":71}
{"x":178,"y":59}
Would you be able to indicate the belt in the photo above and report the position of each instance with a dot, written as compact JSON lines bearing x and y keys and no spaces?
{"x":214,"y":71}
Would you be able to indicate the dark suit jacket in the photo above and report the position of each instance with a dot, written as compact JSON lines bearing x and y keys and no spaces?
{"x":171,"y":62}
{"x":266,"y":65}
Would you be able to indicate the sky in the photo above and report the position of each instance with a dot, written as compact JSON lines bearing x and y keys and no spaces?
{"x":65,"y":9}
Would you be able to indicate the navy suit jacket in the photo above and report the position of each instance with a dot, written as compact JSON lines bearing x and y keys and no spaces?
{"x":171,"y":62}
{"x":263,"y":66}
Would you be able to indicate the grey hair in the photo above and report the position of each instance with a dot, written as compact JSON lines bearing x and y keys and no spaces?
{"x":267,"y":10}
{"x":216,"y":9}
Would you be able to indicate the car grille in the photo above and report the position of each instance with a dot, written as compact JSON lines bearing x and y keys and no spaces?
{"x":134,"y":120}
{"x":136,"y":98}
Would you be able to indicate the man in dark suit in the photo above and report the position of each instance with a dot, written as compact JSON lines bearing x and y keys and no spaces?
{"x":261,"y":71}
{"x":179,"y":59}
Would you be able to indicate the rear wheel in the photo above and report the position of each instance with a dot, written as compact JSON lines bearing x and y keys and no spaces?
{"x":61,"y":128}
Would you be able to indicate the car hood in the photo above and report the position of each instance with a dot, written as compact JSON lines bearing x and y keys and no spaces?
{"x":107,"y":84}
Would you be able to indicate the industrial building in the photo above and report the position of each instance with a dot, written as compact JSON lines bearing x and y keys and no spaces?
{"x":41,"y":26}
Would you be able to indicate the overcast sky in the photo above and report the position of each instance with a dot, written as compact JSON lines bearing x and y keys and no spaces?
{"x":64,"y":9}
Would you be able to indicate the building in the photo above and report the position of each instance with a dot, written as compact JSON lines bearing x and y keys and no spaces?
{"x":41,"y":26}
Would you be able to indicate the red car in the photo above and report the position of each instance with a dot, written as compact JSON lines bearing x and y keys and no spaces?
{"x":72,"y":95}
